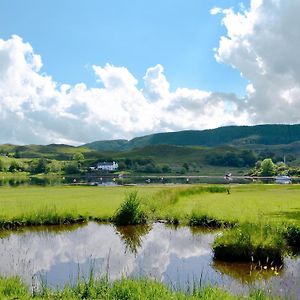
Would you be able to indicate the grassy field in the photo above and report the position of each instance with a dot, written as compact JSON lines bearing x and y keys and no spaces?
{"x":76,"y":200}
{"x":245,"y":203}
{"x":130,"y":289}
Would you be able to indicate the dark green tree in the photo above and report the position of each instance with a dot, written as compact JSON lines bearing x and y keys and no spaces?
{"x":268,"y":168}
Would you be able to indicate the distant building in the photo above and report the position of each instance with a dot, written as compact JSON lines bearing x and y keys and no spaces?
{"x":107,"y":166}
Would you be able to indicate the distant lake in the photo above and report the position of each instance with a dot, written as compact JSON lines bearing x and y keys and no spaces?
{"x":112,"y":180}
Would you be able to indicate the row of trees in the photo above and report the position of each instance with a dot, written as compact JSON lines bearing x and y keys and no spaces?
{"x":43,"y":165}
{"x":267,"y":168}
{"x":245,"y":158}
{"x":143,"y":165}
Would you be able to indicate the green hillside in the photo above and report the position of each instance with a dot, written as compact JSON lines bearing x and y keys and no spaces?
{"x":113,"y":145}
{"x":230,"y":135}
{"x":237,"y":147}
{"x":53,"y":151}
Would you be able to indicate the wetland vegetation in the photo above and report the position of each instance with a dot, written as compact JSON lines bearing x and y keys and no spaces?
{"x":131,"y":289}
{"x":259,"y":223}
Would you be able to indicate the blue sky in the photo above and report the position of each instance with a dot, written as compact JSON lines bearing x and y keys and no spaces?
{"x":79,"y":71}
{"x":73,"y":35}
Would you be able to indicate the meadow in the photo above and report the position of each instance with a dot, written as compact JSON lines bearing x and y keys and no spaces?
{"x":34,"y":205}
{"x":272,"y":204}
{"x":251,"y":203}
{"x":259,"y":223}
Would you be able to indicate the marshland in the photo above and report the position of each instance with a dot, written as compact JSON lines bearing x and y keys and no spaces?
{"x":179,"y":240}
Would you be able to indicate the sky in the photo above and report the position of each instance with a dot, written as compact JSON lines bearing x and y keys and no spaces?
{"x":79,"y":71}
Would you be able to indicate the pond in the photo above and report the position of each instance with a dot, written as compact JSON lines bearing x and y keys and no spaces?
{"x":178,"y":257}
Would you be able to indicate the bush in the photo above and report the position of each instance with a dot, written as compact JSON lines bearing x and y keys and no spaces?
{"x":130,"y":212}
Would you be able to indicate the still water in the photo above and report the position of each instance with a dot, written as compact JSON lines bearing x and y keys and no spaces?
{"x":178,"y":257}
{"x":110,"y":180}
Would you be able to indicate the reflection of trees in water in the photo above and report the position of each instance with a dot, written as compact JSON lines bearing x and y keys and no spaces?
{"x":132,"y":236}
{"x":247,"y":272}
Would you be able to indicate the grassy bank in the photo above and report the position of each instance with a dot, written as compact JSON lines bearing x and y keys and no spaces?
{"x":130,"y":289}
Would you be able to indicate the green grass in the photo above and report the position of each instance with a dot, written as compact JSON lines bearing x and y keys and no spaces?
{"x":45,"y":205}
{"x":124,"y":289}
{"x":251,"y":243}
{"x":245,"y":203}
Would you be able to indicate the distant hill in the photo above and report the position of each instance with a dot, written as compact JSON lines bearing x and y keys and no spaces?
{"x":54,"y":151}
{"x":277,"y":134}
{"x":113,"y":145}
{"x":204,"y":152}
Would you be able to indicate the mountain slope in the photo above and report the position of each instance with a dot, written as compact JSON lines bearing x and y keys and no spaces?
{"x":230,"y":135}
{"x":113,"y":145}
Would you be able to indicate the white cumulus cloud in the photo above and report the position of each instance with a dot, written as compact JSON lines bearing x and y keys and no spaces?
{"x":36,"y":109}
{"x":263,"y":43}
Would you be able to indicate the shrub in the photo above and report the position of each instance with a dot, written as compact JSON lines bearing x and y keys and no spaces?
{"x":130,"y":212}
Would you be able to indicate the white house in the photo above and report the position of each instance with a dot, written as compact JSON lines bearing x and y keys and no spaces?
{"x":107,"y":166}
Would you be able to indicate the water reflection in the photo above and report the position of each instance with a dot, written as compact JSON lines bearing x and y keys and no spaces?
{"x":246,"y":272}
{"x":132,"y":236}
{"x":177,"y":256}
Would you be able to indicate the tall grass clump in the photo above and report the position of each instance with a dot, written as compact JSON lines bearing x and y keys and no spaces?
{"x":13,"y":288}
{"x":251,"y":243}
{"x":130,"y":212}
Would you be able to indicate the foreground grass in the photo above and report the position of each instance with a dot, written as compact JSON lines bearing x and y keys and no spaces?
{"x":130,"y":289}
